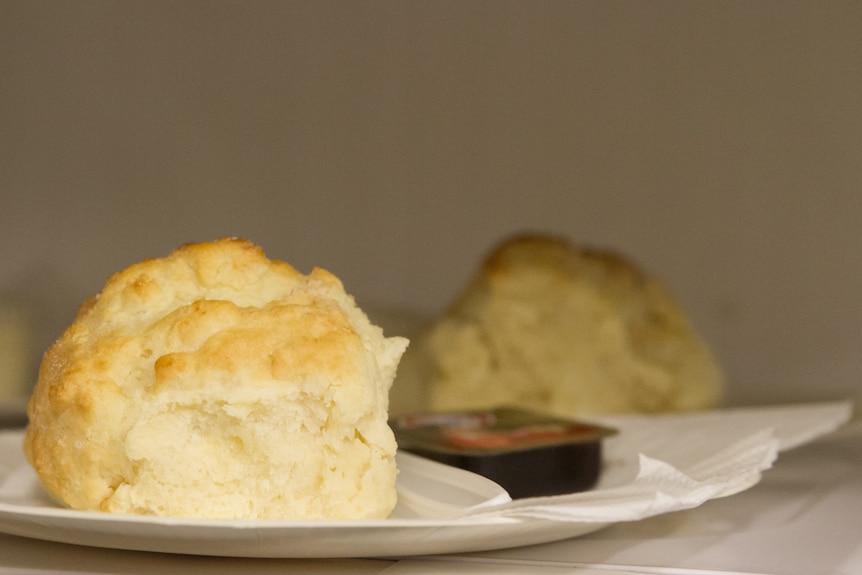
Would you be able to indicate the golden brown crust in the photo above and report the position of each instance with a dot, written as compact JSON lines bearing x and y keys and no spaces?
{"x":214,"y":359}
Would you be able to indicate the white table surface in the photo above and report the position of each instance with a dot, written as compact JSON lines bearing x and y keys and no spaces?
{"x":804,"y":518}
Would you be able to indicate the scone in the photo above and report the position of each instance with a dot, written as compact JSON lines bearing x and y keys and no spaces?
{"x":549,"y":326}
{"x":216,"y":383}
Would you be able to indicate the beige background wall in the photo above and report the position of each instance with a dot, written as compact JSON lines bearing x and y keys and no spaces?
{"x":718,"y":143}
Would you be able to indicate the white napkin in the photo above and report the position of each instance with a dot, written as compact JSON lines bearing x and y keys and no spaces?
{"x":659,"y":464}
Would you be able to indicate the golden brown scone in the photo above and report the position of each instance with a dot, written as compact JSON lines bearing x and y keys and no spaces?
{"x":548,"y":326}
{"x":217,"y":383}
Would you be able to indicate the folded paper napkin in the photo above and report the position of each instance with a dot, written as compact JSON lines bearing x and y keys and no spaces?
{"x":659,"y":464}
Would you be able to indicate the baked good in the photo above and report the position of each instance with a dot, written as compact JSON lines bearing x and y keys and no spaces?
{"x":566,"y":330}
{"x":216,"y":383}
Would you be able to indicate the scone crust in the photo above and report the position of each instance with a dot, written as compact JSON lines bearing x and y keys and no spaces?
{"x":191,"y":378}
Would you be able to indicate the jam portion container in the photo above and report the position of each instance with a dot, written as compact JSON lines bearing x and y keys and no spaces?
{"x":527,"y":453}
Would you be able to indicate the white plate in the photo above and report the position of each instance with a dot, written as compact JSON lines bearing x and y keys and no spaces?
{"x":425,"y":521}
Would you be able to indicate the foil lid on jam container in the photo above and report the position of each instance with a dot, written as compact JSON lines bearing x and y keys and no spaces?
{"x":528,"y":454}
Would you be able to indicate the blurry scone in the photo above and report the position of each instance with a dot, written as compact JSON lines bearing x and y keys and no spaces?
{"x":549,"y":326}
{"x":218,"y":383}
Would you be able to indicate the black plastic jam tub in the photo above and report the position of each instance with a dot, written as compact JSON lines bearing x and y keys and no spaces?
{"x":527,"y":453}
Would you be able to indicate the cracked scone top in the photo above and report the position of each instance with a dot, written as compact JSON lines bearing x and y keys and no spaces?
{"x":217,"y":383}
